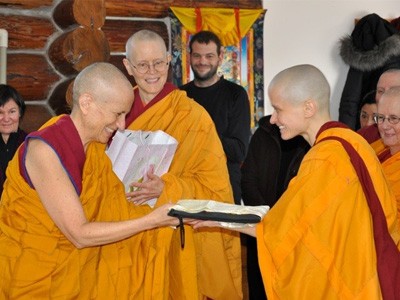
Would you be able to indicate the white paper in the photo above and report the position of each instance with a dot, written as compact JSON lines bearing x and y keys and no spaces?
{"x":133,"y":152}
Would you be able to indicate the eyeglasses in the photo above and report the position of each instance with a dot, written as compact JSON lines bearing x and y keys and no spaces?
{"x":144,"y":67}
{"x":379,"y":119}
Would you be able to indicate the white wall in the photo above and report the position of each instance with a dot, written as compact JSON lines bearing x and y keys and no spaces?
{"x":299,"y":31}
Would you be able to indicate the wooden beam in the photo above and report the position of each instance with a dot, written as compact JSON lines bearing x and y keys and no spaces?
{"x":159,"y":8}
{"x":75,"y":50}
{"x":31,"y":75}
{"x":26,"y":4}
{"x":117,"y":38}
{"x":86,"y":13}
{"x":26,"y":32}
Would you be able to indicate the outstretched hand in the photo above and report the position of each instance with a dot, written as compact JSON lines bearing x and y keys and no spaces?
{"x":151,"y":187}
{"x":159,"y":217}
{"x":201,"y":223}
{"x":196,"y":224}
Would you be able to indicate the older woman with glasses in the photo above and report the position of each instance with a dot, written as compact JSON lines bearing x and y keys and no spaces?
{"x":12,"y":108}
{"x":198,"y":171}
{"x":388,"y":147}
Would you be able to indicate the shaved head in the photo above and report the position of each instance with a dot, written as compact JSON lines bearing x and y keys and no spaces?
{"x":392,"y":71}
{"x":143,"y":36}
{"x":300,"y":83}
{"x":100,"y":79}
{"x":388,"y":79}
{"x":393,"y":93}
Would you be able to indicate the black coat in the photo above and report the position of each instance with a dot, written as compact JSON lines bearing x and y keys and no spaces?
{"x":372,"y":48}
{"x":270,"y":164}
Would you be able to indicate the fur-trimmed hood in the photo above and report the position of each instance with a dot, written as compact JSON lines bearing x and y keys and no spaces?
{"x":373,"y":44}
{"x":372,"y":59}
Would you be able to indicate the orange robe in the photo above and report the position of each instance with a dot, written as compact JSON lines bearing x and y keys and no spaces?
{"x":317,"y":241}
{"x":211,"y":259}
{"x":391,"y":168}
{"x":38,"y":262}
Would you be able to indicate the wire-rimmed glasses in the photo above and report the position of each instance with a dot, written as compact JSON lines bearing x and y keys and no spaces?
{"x":144,"y":67}
{"x":392,"y":119}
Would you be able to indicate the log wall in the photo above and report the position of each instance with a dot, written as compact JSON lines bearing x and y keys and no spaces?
{"x":50,"y":41}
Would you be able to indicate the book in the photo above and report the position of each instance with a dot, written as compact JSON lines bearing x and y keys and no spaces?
{"x":219,"y":211}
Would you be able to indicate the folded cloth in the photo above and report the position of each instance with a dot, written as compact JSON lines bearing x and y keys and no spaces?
{"x":218,"y":211}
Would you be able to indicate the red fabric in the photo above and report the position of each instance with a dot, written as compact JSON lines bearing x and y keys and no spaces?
{"x":199,"y":20}
{"x":63,"y":137}
{"x":370,"y":133}
{"x":237,"y":16}
{"x":388,"y":256}
{"x":331,"y":124}
{"x":138,"y":108}
{"x":384,"y":155}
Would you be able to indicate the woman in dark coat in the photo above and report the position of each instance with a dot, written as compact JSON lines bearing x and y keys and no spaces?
{"x":12,"y":108}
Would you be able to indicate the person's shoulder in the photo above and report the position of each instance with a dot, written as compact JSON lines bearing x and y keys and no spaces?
{"x":265,"y":131}
{"x":264,"y":124}
{"x":180,"y":101}
{"x":232,"y":84}
{"x":39,"y":148}
{"x":370,"y":133}
{"x":186,"y":86}
{"x":236,"y":90}
{"x":334,"y":148}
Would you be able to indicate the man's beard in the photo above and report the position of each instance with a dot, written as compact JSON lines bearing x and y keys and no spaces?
{"x":206,"y":76}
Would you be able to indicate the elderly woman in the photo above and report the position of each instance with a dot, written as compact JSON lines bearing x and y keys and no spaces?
{"x":12,"y":109}
{"x":198,"y":170}
{"x":388,"y":147}
{"x":66,"y":229}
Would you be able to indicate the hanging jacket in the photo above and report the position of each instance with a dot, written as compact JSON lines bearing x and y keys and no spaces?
{"x":372,"y":48}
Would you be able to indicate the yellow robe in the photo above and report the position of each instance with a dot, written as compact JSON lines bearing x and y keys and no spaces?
{"x":391,"y":168}
{"x":38,"y":262}
{"x":317,"y":241}
{"x":211,"y":259}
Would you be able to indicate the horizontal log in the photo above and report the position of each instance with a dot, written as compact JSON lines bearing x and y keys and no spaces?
{"x":63,"y":14}
{"x":60,"y":100}
{"x":31,"y":75}
{"x":83,"y":12}
{"x":117,"y":38}
{"x":35,"y":116}
{"x":159,"y":8}
{"x":116,"y":60}
{"x":74,"y":50}
{"x":69,"y":94}
{"x":26,"y":32}
{"x":25,"y":4}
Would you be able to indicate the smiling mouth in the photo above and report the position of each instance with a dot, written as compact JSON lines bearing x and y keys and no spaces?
{"x":152,"y":80}
{"x":110,"y":130}
{"x":6,"y":125}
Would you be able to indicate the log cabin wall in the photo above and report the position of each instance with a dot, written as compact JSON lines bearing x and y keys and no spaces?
{"x":50,"y":41}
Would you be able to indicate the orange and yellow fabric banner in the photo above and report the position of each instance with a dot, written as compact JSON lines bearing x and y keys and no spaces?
{"x":230,"y":24}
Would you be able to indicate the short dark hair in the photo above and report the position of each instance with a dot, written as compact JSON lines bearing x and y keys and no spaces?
{"x":8,"y":93}
{"x":205,"y":37}
{"x":369,"y":98}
